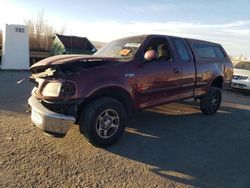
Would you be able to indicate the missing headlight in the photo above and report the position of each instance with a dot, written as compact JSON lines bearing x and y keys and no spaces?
{"x":67,"y":89}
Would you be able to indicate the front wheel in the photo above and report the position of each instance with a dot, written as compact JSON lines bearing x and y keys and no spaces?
{"x":210,"y":102}
{"x":102,"y":121}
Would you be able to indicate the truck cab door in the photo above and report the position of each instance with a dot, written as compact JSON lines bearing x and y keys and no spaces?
{"x":185,"y":58}
{"x":158,"y":80}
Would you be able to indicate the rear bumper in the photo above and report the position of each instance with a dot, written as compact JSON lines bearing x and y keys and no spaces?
{"x":50,"y":122}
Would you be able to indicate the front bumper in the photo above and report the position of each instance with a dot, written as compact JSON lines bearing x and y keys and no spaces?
{"x":50,"y":122}
{"x":240,"y":84}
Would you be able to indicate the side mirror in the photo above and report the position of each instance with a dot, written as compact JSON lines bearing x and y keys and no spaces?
{"x":150,"y":55}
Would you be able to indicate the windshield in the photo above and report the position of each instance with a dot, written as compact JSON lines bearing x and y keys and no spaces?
{"x":243,"y":65}
{"x":123,"y":48}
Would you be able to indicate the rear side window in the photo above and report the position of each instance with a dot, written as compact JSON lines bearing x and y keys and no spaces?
{"x":205,"y":51}
{"x":208,"y":51}
{"x":182,"y":50}
{"x":219,"y":52}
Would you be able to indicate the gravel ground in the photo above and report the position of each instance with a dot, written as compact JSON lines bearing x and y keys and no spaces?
{"x":172,"y":145}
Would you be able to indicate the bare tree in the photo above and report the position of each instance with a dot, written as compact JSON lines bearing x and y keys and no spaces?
{"x":40,"y":33}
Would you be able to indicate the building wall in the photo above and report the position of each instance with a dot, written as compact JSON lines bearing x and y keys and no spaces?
{"x":36,"y":56}
{"x":15,"y":52}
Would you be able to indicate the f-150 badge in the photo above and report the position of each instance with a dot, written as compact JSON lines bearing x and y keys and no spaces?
{"x":130,"y":75}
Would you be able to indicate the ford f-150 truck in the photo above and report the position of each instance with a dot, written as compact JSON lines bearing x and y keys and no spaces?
{"x":100,"y":91}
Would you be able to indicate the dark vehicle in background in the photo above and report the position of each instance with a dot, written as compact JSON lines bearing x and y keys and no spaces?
{"x":241,"y":76}
{"x":99,"y":92}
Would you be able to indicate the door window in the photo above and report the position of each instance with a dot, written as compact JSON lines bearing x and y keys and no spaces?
{"x":161,"y":46}
{"x":182,"y":50}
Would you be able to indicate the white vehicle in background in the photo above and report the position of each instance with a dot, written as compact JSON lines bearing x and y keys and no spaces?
{"x":241,"y":77}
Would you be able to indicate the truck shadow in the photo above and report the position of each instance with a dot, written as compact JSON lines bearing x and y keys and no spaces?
{"x":181,"y":144}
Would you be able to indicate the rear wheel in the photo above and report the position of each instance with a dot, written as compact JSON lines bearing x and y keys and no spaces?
{"x":210,"y":102}
{"x":102,"y":121}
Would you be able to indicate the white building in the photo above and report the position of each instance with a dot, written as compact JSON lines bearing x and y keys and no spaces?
{"x":15,"y":52}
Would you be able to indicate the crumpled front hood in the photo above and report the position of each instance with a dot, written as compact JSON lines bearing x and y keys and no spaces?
{"x":65,"y":59}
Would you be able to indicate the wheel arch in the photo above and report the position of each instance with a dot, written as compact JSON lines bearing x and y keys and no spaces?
{"x":115,"y":92}
{"x":218,"y":82}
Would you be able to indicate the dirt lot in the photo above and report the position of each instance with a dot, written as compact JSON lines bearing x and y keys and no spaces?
{"x":169,"y":146}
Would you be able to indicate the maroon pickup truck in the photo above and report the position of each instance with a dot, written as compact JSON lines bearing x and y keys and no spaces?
{"x":100,"y":91}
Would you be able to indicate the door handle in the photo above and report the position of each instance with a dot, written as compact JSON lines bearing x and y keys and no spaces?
{"x":176,"y":70}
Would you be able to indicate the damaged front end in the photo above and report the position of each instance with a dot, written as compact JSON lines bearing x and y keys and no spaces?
{"x":53,"y":107}
{"x":54,"y":100}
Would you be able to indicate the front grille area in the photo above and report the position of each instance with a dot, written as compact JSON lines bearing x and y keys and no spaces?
{"x":61,"y":108}
{"x":237,"y":85}
{"x":236,"y":77}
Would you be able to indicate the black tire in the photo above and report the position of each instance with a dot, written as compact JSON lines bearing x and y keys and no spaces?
{"x":102,"y":121}
{"x":210,"y":102}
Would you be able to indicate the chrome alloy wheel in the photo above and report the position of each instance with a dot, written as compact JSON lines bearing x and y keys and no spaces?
{"x":107,"y":123}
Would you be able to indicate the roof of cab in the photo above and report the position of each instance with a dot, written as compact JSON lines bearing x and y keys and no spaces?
{"x":190,"y":40}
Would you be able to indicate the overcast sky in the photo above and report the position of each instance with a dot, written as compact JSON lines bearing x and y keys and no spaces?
{"x":223,"y":21}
